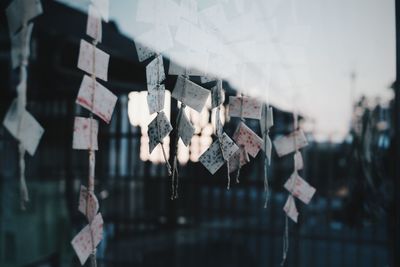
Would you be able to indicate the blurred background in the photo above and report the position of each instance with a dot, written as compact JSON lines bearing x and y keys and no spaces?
{"x":342,"y":83}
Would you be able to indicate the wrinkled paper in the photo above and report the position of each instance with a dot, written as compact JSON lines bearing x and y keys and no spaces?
{"x":290,"y":143}
{"x":93,"y":60}
{"x":104,"y":100}
{"x":248,"y":139}
{"x":156,"y":98}
{"x":155,"y":72}
{"x":158,"y":129}
{"x":251,"y":108}
{"x":90,"y":210}
{"x":299,"y":188}
{"x":185,"y":129}
{"x":81,"y":137}
{"x":191,"y":94}
{"x":24,"y":128}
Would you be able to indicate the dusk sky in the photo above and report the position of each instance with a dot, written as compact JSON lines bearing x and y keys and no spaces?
{"x":297,"y":54}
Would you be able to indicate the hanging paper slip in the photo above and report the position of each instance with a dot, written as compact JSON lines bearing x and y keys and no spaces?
{"x":245,"y":137}
{"x":190,"y":93}
{"x":82,"y":138}
{"x":90,"y":210}
{"x":24,"y":128}
{"x":100,"y":100}
{"x":290,"y":209}
{"x":82,"y":242}
{"x":103,"y":6}
{"x":156,"y":98}
{"x":155,"y":72}
{"x":93,"y":60}
{"x":185,"y":129}
{"x":159,"y":38}
{"x":143,"y":52}
{"x":158,"y":129}
{"x":93,"y":26}
{"x":217,"y":96}
{"x":299,"y":188}
{"x":238,"y":160}
{"x":251,"y":108}
{"x":290,"y":143}
{"x":298,"y":161}
{"x":20,"y":48}
{"x":20,"y":12}
{"x":213,"y":159}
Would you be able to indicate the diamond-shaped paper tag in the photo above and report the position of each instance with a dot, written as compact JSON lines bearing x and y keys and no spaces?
{"x":158,"y":129}
{"x":156,"y":98}
{"x":190,"y":93}
{"x":88,"y":208}
{"x":290,"y":143}
{"x":290,"y":209}
{"x":185,"y":129}
{"x":93,"y":60}
{"x":245,"y":137}
{"x":155,"y":71}
{"x":82,"y":140}
{"x":245,"y":107}
{"x":299,"y":188}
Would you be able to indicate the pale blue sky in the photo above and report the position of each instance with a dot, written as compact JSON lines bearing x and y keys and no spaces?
{"x":306,"y":48}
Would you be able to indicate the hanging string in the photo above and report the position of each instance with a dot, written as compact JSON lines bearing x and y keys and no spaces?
{"x":92,"y":161}
{"x":242,"y":148}
{"x":266,"y":160}
{"x":285,"y":241}
{"x":167,"y":165}
{"x":21,"y":107}
{"x":175,"y":170}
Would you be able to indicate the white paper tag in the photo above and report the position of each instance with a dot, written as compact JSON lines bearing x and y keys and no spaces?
{"x":94,"y":26}
{"x":103,"y":7}
{"x":267,"y":119}
{"x":190,"y":93}
{"x":157,"y":12}
{"x":93,"y":60}
{"x":290,"y":143}
{"x":20,"y":46}
{"x":298,"y":161}
{"x":217,"y":96}
{"x":155,"y":71}
{"x":239,"y":159}
{"x":185,"y":129}
{"x":159,"y":38}
{"x":158,"y":129}
{"x":290,"y":209}
{"x":20,"y":12}
{"x":90,"y":210}
{"x":251,"y":108}
{"x":214,"y":158}
{"x":104,"y":100}
{"x":299,"y":188}
{"x":82,"y":242}
{"x":81,"y":136}
{"x":156,"y":98}
{"x":245,"y":137}
{"x":23,"y":127}
{"x":144,"y":52}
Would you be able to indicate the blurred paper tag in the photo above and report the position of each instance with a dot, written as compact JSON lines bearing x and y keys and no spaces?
{"x":207,"y":79}
{"x":93,"y":60}
{"x":190,"y":93}
{"x":290,"y":209}
{"x":103,"y":6}
{"x":143,"y":52}
{"x":155,"y":71}
{"x":245,"y":137}
{"x":217,"y":96}
{"x":23,"y":127}
{"x":298,"y":161}
{"x":103,"y":103}
{"x":158,"y":129}
{"x":267,"y":119}
{"x":156,"y":98}
{"x":93,"y":26}
{"x":214,"y":158}
{"x":88,"y":208}
{"x":268,"y":148}
{"x":290,"y":143}
{"x":251,"y":108}
{"x":239,"y":159}
{"x":82,"y":242}
{"x":299,"y":188}
{"x":185,"y":129}
{"x":159,"y":38}
{"x":82,"y":138}
{"x":20,"y":47}
{"x":158,"y":12}
{"x":20,"y":12}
